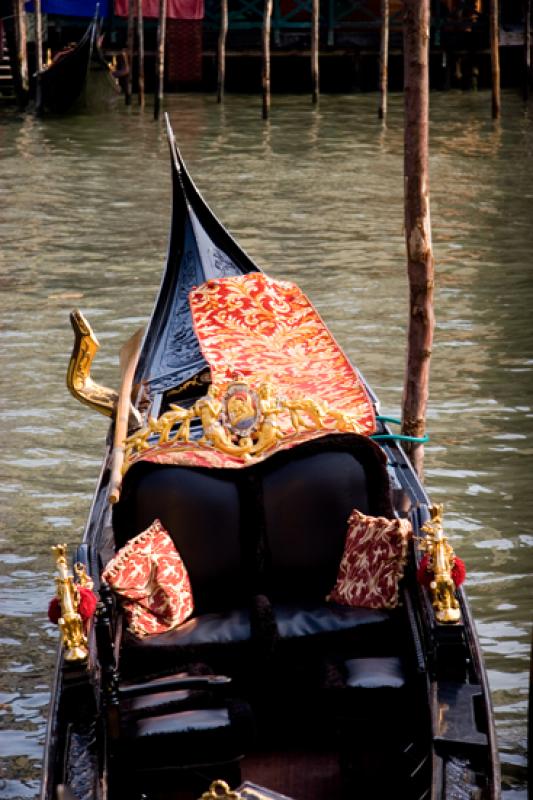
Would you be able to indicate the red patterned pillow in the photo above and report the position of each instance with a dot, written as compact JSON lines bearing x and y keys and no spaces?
{"x":373,"y":561}
{"x":152,"y":581}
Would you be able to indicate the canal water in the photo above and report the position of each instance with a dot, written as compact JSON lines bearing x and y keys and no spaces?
{"x":315,"y":196}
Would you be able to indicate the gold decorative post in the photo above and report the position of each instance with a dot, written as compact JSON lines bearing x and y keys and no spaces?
{"x":441,"y":558}
{"x":220,"y":790}
{"x":79,"y":381}
{"x":70,"y":622}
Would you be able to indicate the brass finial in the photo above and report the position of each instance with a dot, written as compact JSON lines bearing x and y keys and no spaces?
{"x":219,"y":790}
{"x":70,"y":622}
{"x":441,"y":557}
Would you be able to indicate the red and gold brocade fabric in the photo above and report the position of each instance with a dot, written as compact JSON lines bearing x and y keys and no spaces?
{"x":264,"y":330}
{"x":152,"y":582}
{"x":261,"y":329}
{"x":373,"y":562}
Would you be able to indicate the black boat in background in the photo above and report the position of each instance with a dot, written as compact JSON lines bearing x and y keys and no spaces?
{"x":267,"y":688}
{"x":76,"y":74}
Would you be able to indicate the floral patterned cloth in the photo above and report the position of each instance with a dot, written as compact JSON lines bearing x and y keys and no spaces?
{"x":265,"y":330}
{"x":373,"y":562}
{"x":152,"y":582}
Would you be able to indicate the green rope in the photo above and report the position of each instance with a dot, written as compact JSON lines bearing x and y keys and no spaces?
{"x":381,"y":437}
{"x":399,"y":437}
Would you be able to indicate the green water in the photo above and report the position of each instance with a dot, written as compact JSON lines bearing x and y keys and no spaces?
{"x":314,"y":196}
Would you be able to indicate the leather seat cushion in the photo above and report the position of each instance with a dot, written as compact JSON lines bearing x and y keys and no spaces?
{"x":326,"y":618}
{"x":191,"y":738}
{"x":218,"y":639}
{"x":201,"y":511}
{"x":157,"y":703}
{"x":307,"y":502}
{"x":374,"y":673}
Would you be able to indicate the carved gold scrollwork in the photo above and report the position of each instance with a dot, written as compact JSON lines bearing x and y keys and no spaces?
{"x":79,"y":381}
{"x":219,"y":790}
{"x":239,"y":421}
{"x":441,"y":559}
{"x":70,"y":622}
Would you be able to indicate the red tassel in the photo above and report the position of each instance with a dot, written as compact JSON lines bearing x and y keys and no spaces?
{"x":458,"y":571}
{"x":86,"y":608}
{"x":87,"y":605}
{"x":54,"y":610}
{"x":425,"y":576}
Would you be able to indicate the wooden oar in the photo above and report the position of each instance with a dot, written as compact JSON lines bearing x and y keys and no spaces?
{"x":129,"y":355}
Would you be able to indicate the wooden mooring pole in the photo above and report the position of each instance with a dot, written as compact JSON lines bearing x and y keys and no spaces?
{"x":267,"y":24}
{"x":417,"y":225}
{"x":38,"y":54}
{"x":161,"y":37}
{"x":22,"y":45}
{"x":140,"y":45}
{"x":384,"y":60}
{"x":495,"y":56}
{"x":222,"y":35}
{"x":38,"y":35}
{"x":315,"y":46}
{"x":130,"y":40}
{"x":527,"y":47}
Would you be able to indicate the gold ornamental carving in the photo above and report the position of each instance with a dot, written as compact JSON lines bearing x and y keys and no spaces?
{"x":70,"y":622}
{"x":219,"y":790}
{"x":239,"y":421}
{"x":441,"y":559}
{"x":79,"y":381}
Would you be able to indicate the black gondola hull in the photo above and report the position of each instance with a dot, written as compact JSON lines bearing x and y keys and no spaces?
{"x":427,"y":733}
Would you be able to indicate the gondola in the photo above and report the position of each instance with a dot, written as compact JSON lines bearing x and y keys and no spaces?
{"x":261,"y":680}
{"x":74,"y":75}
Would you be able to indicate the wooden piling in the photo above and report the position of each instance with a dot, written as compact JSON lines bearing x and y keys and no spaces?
{"x":222,"y":35}
{"x":527,"y":47}
{"x":315,"y":45}
{"x":384,"y":60}
{"x":495,"y":57}
{"x":267,"y":24}
{"x":130,"y":46}
{"x":161,"y":38}
{"x":417,"y":225}
{"x":22,"y":45}
{"x":38,"y":35}
{"x":140,"y":47}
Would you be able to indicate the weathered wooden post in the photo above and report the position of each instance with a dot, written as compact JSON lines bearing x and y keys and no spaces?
{"x":140,"y":47}
{"x":161,"y":37}
{"x":38,"y":35}
{"x":222,"y":49}
{"x":384,"y":60}
{"x":22,"y":45}
{"x":417,"y":225}
{"x":267,"y":24}
{"x":495,"y":56}
{"x":38,"y":54}
{"x":527,"y":47}
{"x":315,"y":46}
{"x":130,"y":46}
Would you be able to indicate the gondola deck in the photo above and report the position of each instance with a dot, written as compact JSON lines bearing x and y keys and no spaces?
{"x":266,"y":683}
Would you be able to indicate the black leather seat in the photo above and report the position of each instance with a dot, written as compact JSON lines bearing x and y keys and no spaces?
{"x":275,"y":529}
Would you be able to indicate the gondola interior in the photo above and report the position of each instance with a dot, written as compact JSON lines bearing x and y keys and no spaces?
{"x":267,"y":685}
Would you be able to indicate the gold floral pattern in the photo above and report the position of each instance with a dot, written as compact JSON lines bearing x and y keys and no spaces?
{"x":278,"y":379}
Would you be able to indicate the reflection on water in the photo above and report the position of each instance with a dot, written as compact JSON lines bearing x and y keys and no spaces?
{"x":314,"y":195}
